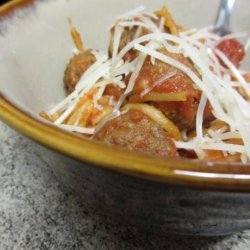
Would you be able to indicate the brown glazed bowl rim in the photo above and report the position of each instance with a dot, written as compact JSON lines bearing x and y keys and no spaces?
{"x":179,"y":172}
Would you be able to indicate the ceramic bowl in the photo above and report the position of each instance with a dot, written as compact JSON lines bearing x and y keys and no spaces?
{"x":178,"y":196}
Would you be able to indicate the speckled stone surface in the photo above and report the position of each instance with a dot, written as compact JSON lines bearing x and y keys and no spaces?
{"x":37,"y":212}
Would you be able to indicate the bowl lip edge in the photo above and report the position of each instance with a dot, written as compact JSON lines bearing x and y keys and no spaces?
{"x":139,"y":165}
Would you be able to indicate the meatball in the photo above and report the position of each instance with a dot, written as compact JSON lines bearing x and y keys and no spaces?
{"x":135,"y":131}
{"x":182,"y":113}
{"x":76,"y":67}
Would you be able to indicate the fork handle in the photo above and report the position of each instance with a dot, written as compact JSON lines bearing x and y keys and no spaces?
{"x":222,"y":24}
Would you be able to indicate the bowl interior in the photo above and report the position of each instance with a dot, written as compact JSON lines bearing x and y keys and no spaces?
{"x":36,"y":45}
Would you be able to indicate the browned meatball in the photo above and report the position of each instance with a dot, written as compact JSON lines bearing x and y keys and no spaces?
{"x":135,"y":131}
{"x":76,"y":67}
{"x":182,"y":113}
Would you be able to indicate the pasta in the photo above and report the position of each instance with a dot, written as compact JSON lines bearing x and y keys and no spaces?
{"x":161,"y":89}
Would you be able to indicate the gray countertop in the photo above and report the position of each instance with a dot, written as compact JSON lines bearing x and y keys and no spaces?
{"x":37,"y":212}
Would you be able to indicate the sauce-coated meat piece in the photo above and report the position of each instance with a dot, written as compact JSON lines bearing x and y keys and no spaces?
{"x":182,"y":113}
{"x":76,"y":67}
{"x":135,"y":131}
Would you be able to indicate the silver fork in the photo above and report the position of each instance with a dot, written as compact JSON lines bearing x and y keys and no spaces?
{"x":222,"y":24}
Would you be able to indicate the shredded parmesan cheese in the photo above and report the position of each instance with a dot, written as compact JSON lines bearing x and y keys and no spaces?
{"x":218,"y":84}
{"x":77,"y":129}
{"x":117,"y":38}
{"x":199,"y":117}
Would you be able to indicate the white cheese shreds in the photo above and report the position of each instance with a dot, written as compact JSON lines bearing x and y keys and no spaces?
{"x":243,"y":126}
{"x":220,"y":146}
{"x":162,"y":24}
{"x":131,"y":83}
{"x":97,"y":96}
{"x":152,"y":26}
{"x":152,"y":15}
{"x":83,"y":86}
{"x":62,"y":104}
{"x":100,"y":59}
{"x":135,"y":74}
{"x":214,"y":102}
{"x":106,"y":119}
{"x":116,"y":42}
{"x":224,"y":136}
{"x":118,"y":82}
{"x":199,"y":116}
{"x":188,"y":32}
{"x":206,"y":35}
{"x":103,"y":83}
{"x":86,"y":83}
{"x":224,"y":147}
{"x":247,"y":45}
{"x":234,"y":71}
{"x":80,"y":113}
{"x":152,"y":60}
{"x":65,"y":114}
{"x":173,"y":49}
{"x":77,"y":129}
{"x":126,"y":68}
{"x":158,"y":83}
{"x":138,"y":32}
{"x":91,"y":70}
{"x":218,"y":84}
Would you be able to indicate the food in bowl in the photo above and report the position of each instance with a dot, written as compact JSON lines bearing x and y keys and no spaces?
{"x":161,"y":89}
